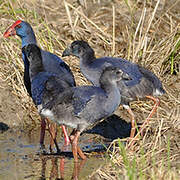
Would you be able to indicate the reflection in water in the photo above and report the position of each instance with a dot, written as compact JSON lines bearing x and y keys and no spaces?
{"x":58,"y":168}
{"x":19,"y":159}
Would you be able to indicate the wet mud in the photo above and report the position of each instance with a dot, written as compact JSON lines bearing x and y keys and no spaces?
{"x":21,"y":158}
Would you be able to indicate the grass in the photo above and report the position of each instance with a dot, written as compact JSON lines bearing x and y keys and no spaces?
{"x":140,"y":165}
{"x":173,"y":57}
{"x":144,"y":32}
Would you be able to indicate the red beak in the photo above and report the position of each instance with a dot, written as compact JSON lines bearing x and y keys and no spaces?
{"x":11,"y":30}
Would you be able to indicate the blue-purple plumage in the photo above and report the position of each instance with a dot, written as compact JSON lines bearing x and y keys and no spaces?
{"x":51,"y":62}
{"x":78,"y":107}
{"x":136,"y":83}
{"x":38,"y":86}
{"x":131,"y":69}
{"x":140,"y":83}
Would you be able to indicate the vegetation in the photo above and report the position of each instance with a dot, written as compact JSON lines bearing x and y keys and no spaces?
{"x":145,"y":32}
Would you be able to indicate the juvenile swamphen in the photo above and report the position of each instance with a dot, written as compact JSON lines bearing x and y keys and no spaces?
{"x":51,"y":63}
{"x":77,"y":107}
{"x":143,"y":82}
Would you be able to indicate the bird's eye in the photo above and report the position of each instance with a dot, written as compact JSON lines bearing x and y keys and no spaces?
{"x":75,"y":47}
{"x":18,"y":26}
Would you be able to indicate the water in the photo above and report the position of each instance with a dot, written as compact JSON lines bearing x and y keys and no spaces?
{"x":19,"y":159}
{"x":20,"y":156}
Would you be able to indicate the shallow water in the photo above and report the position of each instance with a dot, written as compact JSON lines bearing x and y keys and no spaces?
{"x":20,"y":156}
{"x":19,"y":159}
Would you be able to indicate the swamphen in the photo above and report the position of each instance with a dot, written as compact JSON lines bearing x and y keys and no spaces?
{"x":51,"y":63}
{"x":77,"y":107}
{"x":143,"y":82}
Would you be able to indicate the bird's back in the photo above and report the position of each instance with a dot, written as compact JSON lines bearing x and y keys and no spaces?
{"x":79,"y":107}
{"x":93,"y":71}
{"x":141,"y":82}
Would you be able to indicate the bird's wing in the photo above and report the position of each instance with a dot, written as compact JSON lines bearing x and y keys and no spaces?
{"x":83,"y":95}
{"x":38,"y":86}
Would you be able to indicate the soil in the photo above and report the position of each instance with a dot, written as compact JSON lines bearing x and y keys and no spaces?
{"x":11,"y":112}
{"x":19,"y":124}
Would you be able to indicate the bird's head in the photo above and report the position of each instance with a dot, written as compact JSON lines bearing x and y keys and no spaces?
{"x":78,"y":49}
{"x":19,"y":28}
{"x":114,"y":74}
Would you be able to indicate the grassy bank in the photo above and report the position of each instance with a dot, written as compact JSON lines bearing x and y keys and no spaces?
{"x":145,"y":32}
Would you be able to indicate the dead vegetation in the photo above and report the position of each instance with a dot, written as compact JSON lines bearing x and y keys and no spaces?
{"x":145,"y":32}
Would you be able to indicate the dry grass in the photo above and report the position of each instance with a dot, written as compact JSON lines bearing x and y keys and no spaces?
{"x":146,"y":32}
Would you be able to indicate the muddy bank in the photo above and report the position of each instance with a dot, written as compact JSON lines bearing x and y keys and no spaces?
{"x":11,"y":113}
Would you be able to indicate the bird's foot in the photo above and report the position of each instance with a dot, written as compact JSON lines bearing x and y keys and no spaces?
{"x":131,"y":143}
{"x":42,"y":149}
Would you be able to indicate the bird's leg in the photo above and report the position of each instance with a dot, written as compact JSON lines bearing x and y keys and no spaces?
{"x":133,"y":128}
{"x":52,"y":128}
{"x":42,"y":132}
{"x":81,"y":154}
{"x":72,"y":137}
{"x":66,"y":137}
{"x":156,"y":104}
{"x":51,"y":137}
{"x":75,"y":149}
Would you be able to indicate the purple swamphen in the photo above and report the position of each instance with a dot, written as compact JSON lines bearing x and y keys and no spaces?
{"x":51,"y":63}
{"x":143,"y":83}
{"x":78,"y":107}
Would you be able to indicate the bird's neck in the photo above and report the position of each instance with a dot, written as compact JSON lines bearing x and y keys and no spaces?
{"x":108,"y":86}
{"x":87,"y":58}
{"x":113,"y":97}
{"x":36,"y":66}
{"x":28,"y":39}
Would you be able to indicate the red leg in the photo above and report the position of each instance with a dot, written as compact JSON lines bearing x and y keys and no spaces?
{"x":81,"y":154}
{"x":52,"y":128}
{"x":156,"y":104}
{"x":133,"y":128}
{"x":75,"y":149}
{"x":66,"y":137}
